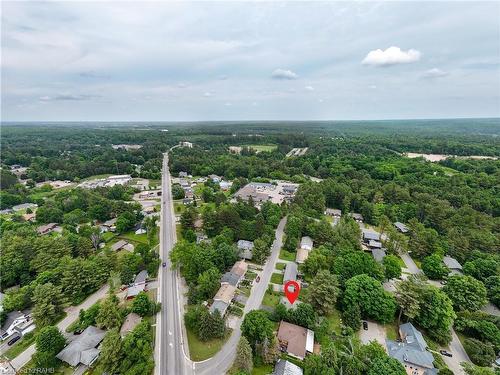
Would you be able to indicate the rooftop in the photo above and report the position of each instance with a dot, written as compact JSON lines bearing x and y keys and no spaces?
{"x":290,"y":272}
{"x":298,"y":340}
{"x":225,"y":293}
{"x":452,"y":263}
{"x":83,"y":348}
{"x":284,"y":367}
{"x":306,"y":243}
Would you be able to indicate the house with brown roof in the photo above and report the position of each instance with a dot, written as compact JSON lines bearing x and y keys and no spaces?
{"x":295,"y":340}
{"x":48,"y":228}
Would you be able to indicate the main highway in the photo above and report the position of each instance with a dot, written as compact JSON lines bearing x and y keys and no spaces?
{"x":171,"y":348}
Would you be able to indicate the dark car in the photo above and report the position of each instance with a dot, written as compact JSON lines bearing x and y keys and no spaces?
{"x":444,"y":352}
{"x":257,"y":279}
{"x":13,"y":340}
{"x":365,"y":326}
{"x":164,"y":264}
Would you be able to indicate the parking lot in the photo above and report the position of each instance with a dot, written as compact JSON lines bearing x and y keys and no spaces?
{"x":375,"y":332}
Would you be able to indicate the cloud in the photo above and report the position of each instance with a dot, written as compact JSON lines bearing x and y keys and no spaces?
{"x":435,"y":73}
{"x":92,"y":74}
{"x":284,"y":74}
{"x":207,"y":94}
{"x":309,"y":88}
{"x":391,"y":56}
{"x":67,"y":97}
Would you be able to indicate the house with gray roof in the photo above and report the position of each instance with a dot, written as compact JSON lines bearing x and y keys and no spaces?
{"x":284,"y":367}
{"x":378,"y":254}
{"x":411,"y":351}
{"x":245,"y":249}
{"x":221,"y":306}
{"x":453,"y":265}
{"x":374,"y":244}
{"x":401,"y":227}
{"x":230,"y":278}
{"x":290,"y":272}
{"x":83,"y":349}
{"x":370,"y":235}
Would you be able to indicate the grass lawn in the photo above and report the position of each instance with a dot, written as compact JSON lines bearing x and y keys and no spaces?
{"x":201,"y":350}
{"x":263,"y":370}
{"x":21,"y":346}
{"x":108,"y":236}
{"x":277,"y":278}
{"x":245,"y":290}
{"x":250,"y":275}
{"x":391,"y":330}
{"x":418,"y":263}
{"x":178,"y":230}
{"x":286,"y":255}
{"x":334,"y":322}
{"x":271,"y":299}
{"x":263,"y":148}
{"x":131,"y":236}
{"x":280,"y":266}
{"x":179,"y":207}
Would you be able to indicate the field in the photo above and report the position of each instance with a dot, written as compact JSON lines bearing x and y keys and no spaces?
{"x":263,"y":148}
{"x":286,"y":255}
{"x":201,"y":350}
{"x":277,"y":278}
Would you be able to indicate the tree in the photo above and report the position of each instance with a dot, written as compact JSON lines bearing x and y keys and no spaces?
{"x":211,"y":326}
{"x":407,"y":295}
{"x":143,"y":306}
{"x":373,"y":301}
{"x":129,"y":266}
{"x":96,"y":238}
{"x":350,"y":263}
{"x":109,"y":315}
{"x":471,"y":369}
{"x":386,"y":366}
{"x":465,"y":292}
{"x":392,"y":266}
{"x":48,"y":342}
{"x":492,"y":285}
{"x":125,"y":222}
{"x":111,"y":355}
{"x":188,"y":217}
{"x":137,"y":351}
{"x":316,"y":261}
{"x":323,"y":292}
{"x":434,"y":267}
{"x":256,"y":327}
{"x":480,"y":353}
{"x":261,"y":251}
{"x":47,"y":299}
{"x":177,"y":191}
{"x":208,"y":283}
{"x":244,"y":357}
{"x":303,"y":315}
{"x":351,"y":317}
{"x":270,"y":351}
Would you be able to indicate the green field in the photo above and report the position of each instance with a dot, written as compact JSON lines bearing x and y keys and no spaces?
{"x":280,"y":266}
{"x":201,"y":350}
{"x":277,"y":278}
{"x":271,"y":299}
{"x":137,"y":238}
{"x":263,"y":148}
{"x":263,"y":370}
{"x":286,"y":255}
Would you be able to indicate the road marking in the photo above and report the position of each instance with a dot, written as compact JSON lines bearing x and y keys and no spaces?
{"x":171,"y":345}
{"x":170,"y":333}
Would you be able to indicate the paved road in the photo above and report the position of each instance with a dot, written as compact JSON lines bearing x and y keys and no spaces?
{"x":221,"y":362}
{"x":170,"y":357}
{"x":72,"y":314}
{"x":410,"y":264}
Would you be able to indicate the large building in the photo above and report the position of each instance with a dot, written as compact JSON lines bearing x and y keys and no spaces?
{"x":83,"y":349}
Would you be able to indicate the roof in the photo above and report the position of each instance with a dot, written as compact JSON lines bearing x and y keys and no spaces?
{"x":110,"y":222}
{"x":82,"y":349}
{"x":296,"y":338}
{"x":225,"y":293}
{"x":356,"y":216}
{"x":452,"y":263}
{"x":11,"y":317}
{"x":44,"y":228}
{"x":230,"y":278}
{"x":375,"y":244}
{"x":131,"y":321}
{"x":219,"y":305}
{"x":118,"y":245}
{"x":244,"y":244}
{"x":284,"y":367}
{"x":240,"y":268}
{"x":370,"y":235}
{"x":290,"y":272}
{"x":412,"y":348}
{"x":306,"y":243}
{"x":378,"y":254}
{"x":302,"y":255}
{"x":333,"y":212}
{"x":23,"y":206}
{"x":402,"y":227}
{"x":135,"y":289}
{"x":141,"y":277}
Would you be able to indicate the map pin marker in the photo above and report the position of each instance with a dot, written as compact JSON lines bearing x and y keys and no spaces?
{"x":292,"y":289}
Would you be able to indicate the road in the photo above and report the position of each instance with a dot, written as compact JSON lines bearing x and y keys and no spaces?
{"x":170,"y":357}
{"x":221,"y":362}
{"x":71,"y":315}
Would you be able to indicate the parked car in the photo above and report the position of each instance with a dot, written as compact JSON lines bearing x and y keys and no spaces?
{"x":365,"y":325}
{"x":164,"y":264}
{"x":444,"y":352}
{"x":13,"y":340}
{"x":257,"y":279}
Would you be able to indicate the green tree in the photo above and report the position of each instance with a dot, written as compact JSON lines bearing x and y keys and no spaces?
{"x":480,"y":353}
{"x":47,"y":299}
{"x":323,"y":292}
{"x":211,"y":326}
{"x":471,"y":369}
{"x":48,"y":342}
{"x":244,"y":357}
{"x":392,"y":266}
{"x":261,"y":251}
{"x":256,"y":327}
{"x":111,"y":355}
{"x":492,"y":285}
{"x":387,"y":366}
{"x":125,"y":222}
{"x":351,"y":317}
{"x":465,"y":292}
{"x":434,"y":267}
{"x":109,"y":315}
{"x":143,"y":306}
{"x":209,"y":283}
{"x":408,"y":293}
{"x":137,"y":351}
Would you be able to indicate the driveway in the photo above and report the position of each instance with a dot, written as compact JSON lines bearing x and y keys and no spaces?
{"x":375,"y":332}
{"x":459,"y":355}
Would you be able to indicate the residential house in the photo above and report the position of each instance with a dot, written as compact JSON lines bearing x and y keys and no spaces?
{"x":372,"y":244}
{"x":302,"y":255}
{"x":289,"y":189}
{"x":357,"y":217}
{"x":223,"y":299}
{"x":378,"y":254}
{"x":290,"y":272}
{"x":216,"y":179}
{"x":131,"y":321}
{"x":187,"y":201}
{"x":306,"y":243}
{"x":333,"y":212}
{"x":83,"y":349}
{"x":401,"y":227}
{"x":295,"y":340}
{"x":139,"y":285}
{"x":17,"y":323}
{"x":284,"y":367}
{"x":225,"y":185}
{"x":186,"y":144}
{"x":245,"y":249}
{"x":411,"y":351}
{"x":29,"y":217}
{"x":453,"y":265}
{"x":24,"y":206}
{"x":236,"y":274}
{"x":108,"y":225}
{"x":183,"y":174}
{"x":48,"y":228}
{"x":119,"y":245}
{"x":370,"y":235}
{"x":235,"y":149}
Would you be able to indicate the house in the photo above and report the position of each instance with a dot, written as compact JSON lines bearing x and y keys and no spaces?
{"x":295,"y":340}
{"x":370,"y":235}
{"x":216,"y":179}
{"x":108,"y":225}
{"x":83,"y":349}
{"x":333,"y":212}
{"x":187,"y":201}
{"x":119,"y":245}
{"x":48,"y":228}
{"x":411,"y":351}
{"x":183,"y":174}
{"x":290,"y":272}
{"x":302,"y":255}
{"x":140,"y":231}
{"x":29,"y":217}
{"x":200,"y":237}
{"x":236,"y":274}
{"x":131,"y":321}
{"x":378,"y":254}
{"x":186,"y":144}
{"x":453,"y":265}
{"x":24,"y":206}
{"x":254,"y":192}
{"x":17,"y":323}
{"x":289,"y":189}
{"x":245,"y":249}
{"x":357,"y":217}
{"x":284,"y":367}
{"x":139,"y":285}
{"x":223,"y":299}
{"x":374,"y":244}
{"x":401,"y":227}
{"x":306,"y":243}
{"x":7,"y":211}
{"x":225,"y":185}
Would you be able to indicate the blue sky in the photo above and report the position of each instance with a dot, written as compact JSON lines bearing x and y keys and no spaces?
{"x":132,"y":61}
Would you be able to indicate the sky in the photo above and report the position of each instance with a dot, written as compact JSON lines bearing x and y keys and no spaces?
{"x":206,"y":61}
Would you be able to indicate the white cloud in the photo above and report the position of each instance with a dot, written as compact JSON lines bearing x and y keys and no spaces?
{"x":309,"y":88}
{"x":284,"y":74}
{"x":207,"y":94}
{"x":435,"y":73}
{"x":391,"y":56}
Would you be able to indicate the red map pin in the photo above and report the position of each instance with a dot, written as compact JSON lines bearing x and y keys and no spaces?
{"x":294,"y":292}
